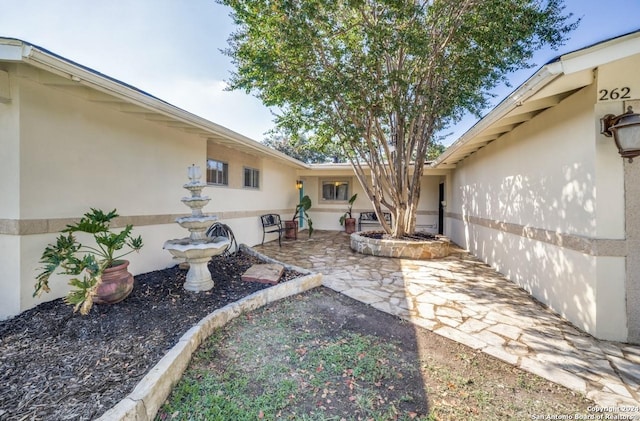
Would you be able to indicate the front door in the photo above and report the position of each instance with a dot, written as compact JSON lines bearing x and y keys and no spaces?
{"x":441,"y":209}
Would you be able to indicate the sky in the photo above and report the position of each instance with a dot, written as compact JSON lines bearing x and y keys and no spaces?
{"x":171,"y":49}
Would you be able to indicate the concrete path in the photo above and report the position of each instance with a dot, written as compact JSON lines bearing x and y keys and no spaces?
{"x":463,"y":299}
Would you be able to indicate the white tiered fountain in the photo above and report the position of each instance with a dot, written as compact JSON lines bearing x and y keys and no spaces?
{"x":197,"y":249}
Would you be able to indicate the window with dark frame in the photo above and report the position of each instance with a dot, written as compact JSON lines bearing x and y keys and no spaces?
{"x":217,"y":172}
{"x":251,"y":178}
{"x":336,"y":190}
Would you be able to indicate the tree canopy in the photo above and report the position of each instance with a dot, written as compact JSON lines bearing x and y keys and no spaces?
{"x":304,"y":149}
{"x":378,"y":78}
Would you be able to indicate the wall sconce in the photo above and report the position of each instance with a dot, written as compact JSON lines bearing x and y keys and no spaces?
{"x":625,"y":129}
{"x":299,"y":184}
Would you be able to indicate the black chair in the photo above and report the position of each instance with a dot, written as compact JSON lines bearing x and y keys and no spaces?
{"x":271,"y":223}
{"x":370,"y":218}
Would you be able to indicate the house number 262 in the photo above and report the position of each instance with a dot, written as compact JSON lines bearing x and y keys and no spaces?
{"x":616,"y":93}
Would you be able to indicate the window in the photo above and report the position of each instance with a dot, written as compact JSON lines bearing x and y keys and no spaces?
{"x":217,"y":172}
{"x":251,"y":178}
{"x":335,"y":190}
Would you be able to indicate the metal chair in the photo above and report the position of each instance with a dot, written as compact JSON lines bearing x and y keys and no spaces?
{"x":271,"y":223}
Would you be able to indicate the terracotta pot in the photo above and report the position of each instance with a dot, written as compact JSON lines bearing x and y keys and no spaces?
{"x":291,"y":230}
{"x":116,"y":284}
{"x":350,"y":225}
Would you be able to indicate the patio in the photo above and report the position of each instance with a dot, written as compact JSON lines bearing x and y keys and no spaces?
{"x":464,"y":300}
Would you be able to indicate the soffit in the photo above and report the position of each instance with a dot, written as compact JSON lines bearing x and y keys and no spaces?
{"x":345,"y":169}
{"x":545,"y":89}
{"x":519,"y":112}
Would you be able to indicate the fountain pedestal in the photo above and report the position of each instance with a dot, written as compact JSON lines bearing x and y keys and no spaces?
{"x":197,"y":249}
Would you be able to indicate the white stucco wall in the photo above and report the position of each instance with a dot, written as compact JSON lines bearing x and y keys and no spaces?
{"x":544,"y":176}
{"x":619,"y":88}
{"x":326,"y":214}
{"x":9,"y":148}
{"x":77,"y":154}
{"x":240,"y":207}
{"x":10,"y":261}
{"x":65,"y":153}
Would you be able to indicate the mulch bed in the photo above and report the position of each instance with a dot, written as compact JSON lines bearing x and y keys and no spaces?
{"x":55,"y":364}
{"x":416,"y":236}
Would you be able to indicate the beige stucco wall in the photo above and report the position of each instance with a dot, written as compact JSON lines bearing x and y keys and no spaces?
{"x":76,"y":154}
{"x":10,"y":261}
{"x":66,"y":152}
{"x":542,"y":181}
{"x":326,"y":214}
{"x":620,"y":79}
{"x":240,"y":207}
{"x":9,"y":148}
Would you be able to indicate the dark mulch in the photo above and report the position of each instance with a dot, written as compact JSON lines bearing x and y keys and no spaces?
{"x":58,"y":365}
{"x":416,"y":236}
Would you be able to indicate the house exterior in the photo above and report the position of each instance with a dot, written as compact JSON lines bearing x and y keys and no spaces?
{"x":533,"y":189}
{"x":72,"y":139}
{"x":537,"y":192}
{"x":329,"y":204}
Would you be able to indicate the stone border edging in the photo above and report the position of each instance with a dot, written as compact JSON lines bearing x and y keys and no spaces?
{"x":401,"y":249}
{"x":154,"y":388}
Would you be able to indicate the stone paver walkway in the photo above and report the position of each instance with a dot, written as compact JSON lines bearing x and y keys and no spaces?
{"x":463,"y":299}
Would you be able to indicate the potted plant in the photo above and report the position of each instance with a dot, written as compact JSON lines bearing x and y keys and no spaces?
{"x":99,"y":274}
{"x":347,"y":219}
{"x":291,"y":226}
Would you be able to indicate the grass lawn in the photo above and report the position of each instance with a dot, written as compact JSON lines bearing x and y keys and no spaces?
{"x":323,"y":356}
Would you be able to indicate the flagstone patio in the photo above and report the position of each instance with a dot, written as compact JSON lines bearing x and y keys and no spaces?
{"x":463,"y":299}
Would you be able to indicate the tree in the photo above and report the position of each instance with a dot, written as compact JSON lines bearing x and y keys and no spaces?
{"x":379,"y":78}
{"x":303,"y":149}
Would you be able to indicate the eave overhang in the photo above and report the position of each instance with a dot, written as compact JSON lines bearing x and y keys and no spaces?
{"x":128,"y":99}
{"x":545,"y":89}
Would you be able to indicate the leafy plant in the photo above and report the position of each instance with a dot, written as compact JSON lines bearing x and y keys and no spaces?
{"x":347,"y":214}
{"x":304,"y":206}
{"x":379,"y":80}
{"x":75,"y":258}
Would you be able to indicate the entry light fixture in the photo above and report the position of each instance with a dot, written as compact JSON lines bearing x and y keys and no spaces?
{"x":625,"y":129}
{"x":299,"y":184}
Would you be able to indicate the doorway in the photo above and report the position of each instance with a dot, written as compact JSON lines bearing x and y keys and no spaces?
{"x":441,"y":209}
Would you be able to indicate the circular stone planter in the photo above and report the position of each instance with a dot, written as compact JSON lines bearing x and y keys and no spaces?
{"x":403,"y":249}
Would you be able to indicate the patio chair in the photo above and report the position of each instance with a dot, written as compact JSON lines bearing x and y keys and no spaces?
{"x":271,"y":223}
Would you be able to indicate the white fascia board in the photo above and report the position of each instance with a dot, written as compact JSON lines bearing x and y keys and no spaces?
{"x":584,"y":59}
{"x":602,"y":53}
{"x":94,"y":80}
{"x":343,"y":168}
{"x":10,"y":52}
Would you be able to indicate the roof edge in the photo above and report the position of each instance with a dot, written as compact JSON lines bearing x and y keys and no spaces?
{"x":42,"y":58}
{"x":572,"y":62}
{"x":541,"y":78}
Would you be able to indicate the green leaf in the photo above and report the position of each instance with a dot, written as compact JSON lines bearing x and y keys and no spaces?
{"x":82,"y":296}
{"x":377,"y":80}
{"x":71,"y":257}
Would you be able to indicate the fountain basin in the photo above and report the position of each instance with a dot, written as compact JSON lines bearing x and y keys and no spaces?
{"x":197,"y":253}
{"x":186,"y":248}
{"x":198,"y":223}
{"x":196,"y":202}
